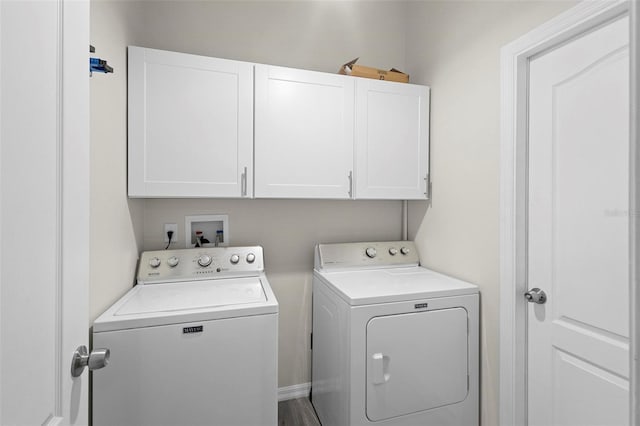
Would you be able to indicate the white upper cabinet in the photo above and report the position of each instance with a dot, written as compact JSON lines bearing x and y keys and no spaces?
{"x":303,"y":134}
{"x":190,"y":125}
{"x":392,"y":140}
{"x":317,"y":135}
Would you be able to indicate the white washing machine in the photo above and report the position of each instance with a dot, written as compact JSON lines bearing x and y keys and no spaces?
{"x":193,"y":343}
{"x":393,"y":343}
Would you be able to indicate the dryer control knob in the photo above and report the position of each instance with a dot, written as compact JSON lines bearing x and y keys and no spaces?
{"x":204,"y":260}
{"x":173,"y":261}
{"x":251,"y":258}
{"x":405,"y":250}
{"x":154,"y":262}
{"x":393,"y":251}
{"x":371,"y":252}
{"x":235,"y":258}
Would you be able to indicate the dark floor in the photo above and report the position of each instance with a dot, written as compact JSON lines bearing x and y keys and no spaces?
{"x":297,"y":412}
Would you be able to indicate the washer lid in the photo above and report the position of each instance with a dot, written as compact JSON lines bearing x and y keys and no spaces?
{"x":171,"y":303}
{"x":366,"y":287}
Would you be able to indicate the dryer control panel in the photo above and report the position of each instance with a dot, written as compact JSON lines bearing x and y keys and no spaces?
{"x":162,"y":266}
{"x":364,"y":255}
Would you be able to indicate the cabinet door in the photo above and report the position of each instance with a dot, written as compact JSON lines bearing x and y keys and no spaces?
{"x":190,"y":125}
{"x":392,"y":140}
{"x":304,"y":133}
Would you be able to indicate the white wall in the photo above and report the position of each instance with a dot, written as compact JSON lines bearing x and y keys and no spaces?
{"x":455,"y":48}
{"x":311,"y":35}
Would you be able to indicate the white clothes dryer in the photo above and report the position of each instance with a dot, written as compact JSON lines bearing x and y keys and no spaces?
{"x":393,"y":343}
{"x":193,"y":343}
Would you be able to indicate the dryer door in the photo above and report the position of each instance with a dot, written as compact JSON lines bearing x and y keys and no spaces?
{"x":416,"y":362}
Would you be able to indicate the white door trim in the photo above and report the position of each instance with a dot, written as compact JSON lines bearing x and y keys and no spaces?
{"x":513,"y":160}
{"x":74,"y":205}
{"x":634,"y":219}
{"x":1,"y":201}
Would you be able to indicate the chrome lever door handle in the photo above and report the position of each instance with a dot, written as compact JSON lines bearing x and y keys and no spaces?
{"x":97,"y":359}
{"x":535,"y":295}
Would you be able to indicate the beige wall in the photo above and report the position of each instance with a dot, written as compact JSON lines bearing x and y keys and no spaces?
{"x":455,"y":48}
{"x":311,"y":35}
{"x":451,"y":46}
{"x":315,"y":35}
{"x":288,"y":231}
{"x":116,"y":221}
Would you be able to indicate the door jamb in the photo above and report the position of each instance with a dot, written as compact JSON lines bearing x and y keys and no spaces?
{"x":513,"y":183}
{"x":634,"y":219}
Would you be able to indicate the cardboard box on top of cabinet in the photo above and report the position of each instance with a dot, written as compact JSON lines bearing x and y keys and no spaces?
{"x":351,"y":68}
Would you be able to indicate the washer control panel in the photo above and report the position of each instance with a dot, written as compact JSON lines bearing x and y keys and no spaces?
{"x":366,"y":255}
{"x":163,"y":266}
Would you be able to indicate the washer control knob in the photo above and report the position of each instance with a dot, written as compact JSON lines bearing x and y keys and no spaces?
{"x":393,"y":251}
{"x":204,"y":260}
{"x":173,"y":261}
{"x":235,"y":258}
{"x":371,"y":252}
{"x":251,"y":258}
{"x":405,"y":250}
{"x":154,"y":262}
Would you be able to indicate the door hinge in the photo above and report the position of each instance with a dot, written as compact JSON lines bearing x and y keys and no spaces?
{"x":350,"y":184}
{"x":427,"y":186}
{"x":311,"y":340}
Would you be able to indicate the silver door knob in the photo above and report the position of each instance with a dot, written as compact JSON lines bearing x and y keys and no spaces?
{"x":535,"y":295}
{"x":97,"y":359}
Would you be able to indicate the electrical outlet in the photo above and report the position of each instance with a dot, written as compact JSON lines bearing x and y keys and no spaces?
{"x":170,"y":227}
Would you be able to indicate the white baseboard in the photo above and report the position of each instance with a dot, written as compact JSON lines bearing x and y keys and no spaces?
{"x":296,"y":391}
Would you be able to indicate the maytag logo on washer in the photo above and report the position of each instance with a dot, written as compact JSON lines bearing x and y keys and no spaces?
{"x":196,"y":329}
{"x":421,"y":305}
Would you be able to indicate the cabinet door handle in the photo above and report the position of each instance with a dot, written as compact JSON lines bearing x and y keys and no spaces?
{"x":243,"y":183}
{"x":350,"y":184}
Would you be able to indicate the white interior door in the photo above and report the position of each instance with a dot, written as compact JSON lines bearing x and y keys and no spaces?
{"x":44,"y":210}
{"x":578,"y":236}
